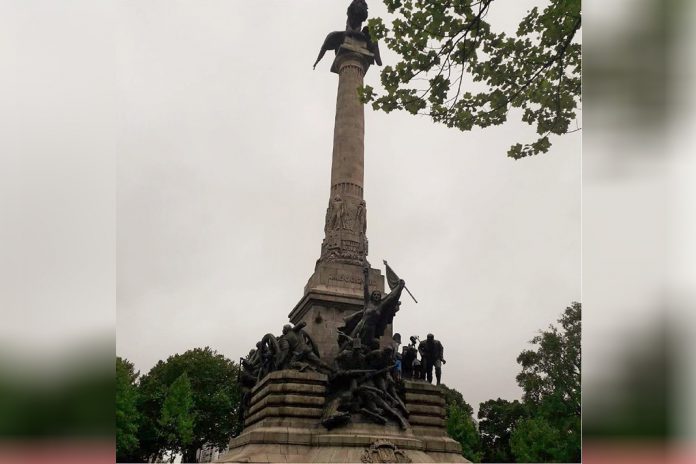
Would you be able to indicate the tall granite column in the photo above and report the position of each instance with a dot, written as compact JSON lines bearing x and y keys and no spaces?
{"x":346,"y":215}
{"x":336,"y":287}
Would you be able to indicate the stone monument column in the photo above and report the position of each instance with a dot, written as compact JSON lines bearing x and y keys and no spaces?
{"x":336,"y":287}
{"x":347,"y":164}
{"x":346,"y":217}
{"x":296,"y":415}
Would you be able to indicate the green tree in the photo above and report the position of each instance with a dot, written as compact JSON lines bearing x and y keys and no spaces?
{"x":461,"y":425}
{"x":456,"y":69}
{"x":550,"y":379}
{"x":552,"y":371}
{"x":215,"y":399}
{"x":176,"y":422}
{"x":535,"y":440}
{"x":455,"y":398}
{"x":497,"y":420}
{"x":127,"y":416}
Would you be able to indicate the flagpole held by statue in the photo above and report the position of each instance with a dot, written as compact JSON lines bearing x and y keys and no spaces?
{"x":393,"y":280}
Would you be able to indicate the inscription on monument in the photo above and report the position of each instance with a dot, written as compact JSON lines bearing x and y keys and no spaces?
{"x":355,"y":280}
{"x":350,"y":246}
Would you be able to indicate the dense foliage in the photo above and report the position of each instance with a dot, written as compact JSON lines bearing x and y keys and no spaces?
{"x":535,"y":440}
{"x":550,"y":379}
{"x":127,"y":417}
{"x":176,"y":420}
{"x":188,"y":401}
{"x":545,"y":425}
{"x":455,"y":68}
{"x":497,"y":420}
{"x":553,"y":369}
{"x":461,"y":425}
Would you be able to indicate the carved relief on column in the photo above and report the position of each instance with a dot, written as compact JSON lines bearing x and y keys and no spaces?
{"x":345,"y":228}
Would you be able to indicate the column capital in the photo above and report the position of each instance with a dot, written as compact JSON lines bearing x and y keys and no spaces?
{"x":353,"y":50}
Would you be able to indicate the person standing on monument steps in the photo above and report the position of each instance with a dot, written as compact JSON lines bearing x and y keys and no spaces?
{"x":395,"y":343}
{"x":432,"y":353}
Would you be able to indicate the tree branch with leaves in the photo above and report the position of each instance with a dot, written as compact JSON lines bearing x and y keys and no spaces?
{"x":447,"y":46}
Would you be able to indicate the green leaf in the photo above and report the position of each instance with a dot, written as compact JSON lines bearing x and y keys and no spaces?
{"x":444,"y":45}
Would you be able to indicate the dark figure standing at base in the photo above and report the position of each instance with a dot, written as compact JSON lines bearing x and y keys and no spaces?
{"x":409,"y":356}
{"x":395,"y":343}
{"x":432,"y":353}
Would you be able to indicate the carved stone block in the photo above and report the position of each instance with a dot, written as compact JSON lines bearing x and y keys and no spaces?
{"x":384,"y":451}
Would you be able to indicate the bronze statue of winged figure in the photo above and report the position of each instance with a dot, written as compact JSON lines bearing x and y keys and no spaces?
{"x":357,"y":14}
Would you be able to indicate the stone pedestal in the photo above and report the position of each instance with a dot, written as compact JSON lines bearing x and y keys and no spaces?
{"x":334,"y":291}
{"x":283,"y":415}
{"x":426,"y":404}
{"x":282,"y":425}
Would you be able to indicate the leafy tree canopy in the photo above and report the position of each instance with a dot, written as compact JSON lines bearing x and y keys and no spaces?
{"x":550,"y":379}
{"x":455,"y":68}
{"x":127,"y":416}
{"x":552,"y":371}
{"x":497,"y":420}
{"x":461,"y":425}
{"x":455,"y":398}
{"x":535,"y":440}
{"x":198,"y":386}
{"x":176,"y":421}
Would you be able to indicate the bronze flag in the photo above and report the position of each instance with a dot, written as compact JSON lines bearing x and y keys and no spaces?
{"x":393,"y":280}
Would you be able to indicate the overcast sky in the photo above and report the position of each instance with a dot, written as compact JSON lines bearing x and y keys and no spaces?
{"x":223,"y":166}
{"x":222,"y":136}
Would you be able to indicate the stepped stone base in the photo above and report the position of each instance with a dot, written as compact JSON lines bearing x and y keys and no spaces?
{"x":282,"y":425}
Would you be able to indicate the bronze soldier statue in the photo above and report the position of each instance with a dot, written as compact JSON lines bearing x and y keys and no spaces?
{"x":369,"y":324}
{"x":431,"y":352}
{"x":299,"y":351}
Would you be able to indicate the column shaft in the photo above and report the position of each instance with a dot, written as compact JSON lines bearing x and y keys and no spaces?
{"x":345,"y":229}
{"x":348,"y":159}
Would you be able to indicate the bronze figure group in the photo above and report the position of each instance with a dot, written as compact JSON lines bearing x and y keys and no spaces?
{"x":364,"y":380}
